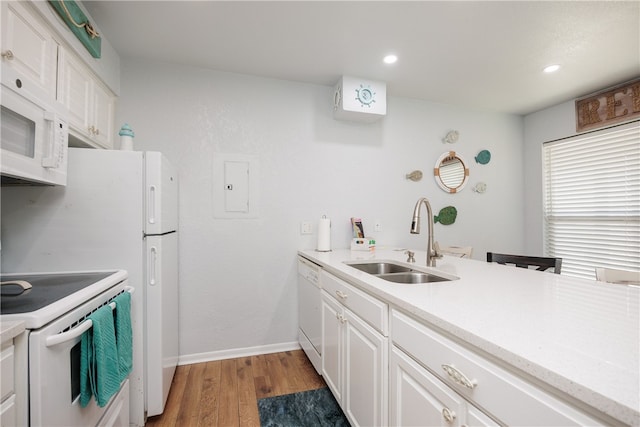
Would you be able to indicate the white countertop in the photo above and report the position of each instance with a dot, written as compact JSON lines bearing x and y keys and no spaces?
{"x":579,"y":336}
{"x":10,"y":329}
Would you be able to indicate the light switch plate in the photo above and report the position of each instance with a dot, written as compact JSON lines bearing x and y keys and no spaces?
{"x":305,"y":227}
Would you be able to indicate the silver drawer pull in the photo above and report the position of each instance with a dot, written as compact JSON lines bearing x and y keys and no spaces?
{"x":7,"y":55}
{"x":459,"y":378}
{"x":341,"y":294}
{"x":448,"y":415}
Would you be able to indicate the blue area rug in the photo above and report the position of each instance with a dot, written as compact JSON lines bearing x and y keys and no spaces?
{"x":307,"y":408}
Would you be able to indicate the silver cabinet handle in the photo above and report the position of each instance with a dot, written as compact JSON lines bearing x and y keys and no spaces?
{"x":7,"y":55}
{"x":448,"y":415}
{"x":340,"y":318}
{"x":459,"y":378}
{"x":341,"y":294}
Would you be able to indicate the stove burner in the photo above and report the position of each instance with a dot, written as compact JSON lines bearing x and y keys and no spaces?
{"x":46,"y":289}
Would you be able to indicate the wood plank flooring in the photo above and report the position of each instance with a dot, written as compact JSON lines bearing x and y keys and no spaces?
{"x":225,"y":392}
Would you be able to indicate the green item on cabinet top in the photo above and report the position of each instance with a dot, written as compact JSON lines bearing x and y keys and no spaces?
{"x":483,"y":157}
{"x":79,"y":25}
{"x":446,"y":216}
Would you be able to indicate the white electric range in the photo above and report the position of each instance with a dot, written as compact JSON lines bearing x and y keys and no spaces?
{"x":54,"y":308}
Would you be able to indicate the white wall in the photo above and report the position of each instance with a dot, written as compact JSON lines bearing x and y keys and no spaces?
{"x":546,"y":125}
{"x":238,"y":277}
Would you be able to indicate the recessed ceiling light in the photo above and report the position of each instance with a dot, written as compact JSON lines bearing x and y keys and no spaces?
{"x":551,"y":68}
{"x":390,"y":59}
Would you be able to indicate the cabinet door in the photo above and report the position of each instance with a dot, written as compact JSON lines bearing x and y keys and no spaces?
{"x":365,"y":373}
{"x":477,"y":418}
{"x":417,"y":398}
{"x":90,"y":105}
{"x":332,"y":321}
{"x":74,"y":91}
{"x":103,"y":107}
{"x":28,"y":52}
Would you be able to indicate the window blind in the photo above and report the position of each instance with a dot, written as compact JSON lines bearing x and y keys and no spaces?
{"x":592,"y":200}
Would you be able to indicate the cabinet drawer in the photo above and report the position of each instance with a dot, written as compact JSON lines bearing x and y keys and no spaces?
{"x":6,"y":372}
{"x":368,"y":308}
{"x":8,"y":414}
{"x":509,"y":398}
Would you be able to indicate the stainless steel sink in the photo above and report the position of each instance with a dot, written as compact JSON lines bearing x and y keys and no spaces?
{"x":380,"y":267}
{"x":397,"y":273}
{"x":412,"y":277}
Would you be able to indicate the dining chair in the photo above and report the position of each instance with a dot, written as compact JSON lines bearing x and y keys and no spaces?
{"x":614,"y":275}
{"x":457,"y":251}
{"x":542,"y":263}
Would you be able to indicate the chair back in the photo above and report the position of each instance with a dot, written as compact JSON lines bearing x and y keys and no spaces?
{"x":613,"y":275}
{"x":542,"y":263}
{"x":457,"y":251}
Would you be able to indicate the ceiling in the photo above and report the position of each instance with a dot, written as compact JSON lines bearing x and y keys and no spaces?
{"x":481,"y":55}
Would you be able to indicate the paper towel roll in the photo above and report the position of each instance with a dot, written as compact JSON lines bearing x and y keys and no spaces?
{"x":324,"y":235}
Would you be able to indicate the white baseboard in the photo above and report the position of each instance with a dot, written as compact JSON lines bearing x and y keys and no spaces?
{"x":237,"y":352}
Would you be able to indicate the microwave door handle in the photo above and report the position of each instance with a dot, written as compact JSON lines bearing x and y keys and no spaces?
{"x":54,"y":144}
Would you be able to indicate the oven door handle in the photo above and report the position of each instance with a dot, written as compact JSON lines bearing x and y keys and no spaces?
{"x":56,"y":339}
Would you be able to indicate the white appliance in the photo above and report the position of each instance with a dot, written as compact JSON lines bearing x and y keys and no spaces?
{"x":55,"y":310}
{"x":119,"y":208}
{"x":33,"y":141}
{"x":309,"y":314}
{"x":359,"y":100}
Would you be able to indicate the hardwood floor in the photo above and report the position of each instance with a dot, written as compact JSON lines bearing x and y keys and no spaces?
{"x":226,"y":392}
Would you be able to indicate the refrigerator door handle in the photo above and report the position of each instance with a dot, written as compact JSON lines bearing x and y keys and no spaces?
{"x":152,"y":205}
{"x":153,"y":257}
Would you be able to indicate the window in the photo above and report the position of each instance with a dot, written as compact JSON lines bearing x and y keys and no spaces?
{"x":592,"y":200}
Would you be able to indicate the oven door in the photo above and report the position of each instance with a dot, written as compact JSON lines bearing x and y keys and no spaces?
{"x":54,"y":370}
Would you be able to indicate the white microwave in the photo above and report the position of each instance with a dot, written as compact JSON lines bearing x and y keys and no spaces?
{"x":33,"y":141}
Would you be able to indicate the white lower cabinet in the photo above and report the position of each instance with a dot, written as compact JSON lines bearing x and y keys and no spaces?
{"x":507,"y":397}
{"x":386,"y":367}
{"x":332,"y":344}
{"x":417,"y":398}
{"x":13,"y":379}
{"x":354,"y":358}
{"x":365,"y":376}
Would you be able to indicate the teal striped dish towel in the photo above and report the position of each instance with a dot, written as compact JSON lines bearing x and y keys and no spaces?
{"x":124,"y":334}
{"x":99,"y":364}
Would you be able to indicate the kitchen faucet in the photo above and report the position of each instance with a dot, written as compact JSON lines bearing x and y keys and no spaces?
{"x":432,"y":254}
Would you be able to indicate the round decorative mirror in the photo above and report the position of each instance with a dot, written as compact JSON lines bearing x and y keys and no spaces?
{"x":450,"y":172}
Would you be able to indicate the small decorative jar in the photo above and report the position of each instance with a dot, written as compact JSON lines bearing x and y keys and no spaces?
{"x":126,"y":138}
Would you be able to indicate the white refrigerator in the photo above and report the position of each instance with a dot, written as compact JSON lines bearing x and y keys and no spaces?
{"x":119,"y":210}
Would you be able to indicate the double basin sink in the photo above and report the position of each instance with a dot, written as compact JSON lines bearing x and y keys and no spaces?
{"x":397,"y":273}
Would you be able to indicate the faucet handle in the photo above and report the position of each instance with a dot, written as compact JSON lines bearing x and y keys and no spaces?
{"x":436,"y":250}
{"x":410,"y":257}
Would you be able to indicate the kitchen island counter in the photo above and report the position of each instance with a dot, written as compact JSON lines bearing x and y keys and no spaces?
{"x":579,"y":336}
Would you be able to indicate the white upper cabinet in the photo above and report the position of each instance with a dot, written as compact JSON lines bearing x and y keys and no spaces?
{"x":28,"y":53}
{"x":103,"y":112}
{"x":90,"y":105}
{"x":39,"y":63}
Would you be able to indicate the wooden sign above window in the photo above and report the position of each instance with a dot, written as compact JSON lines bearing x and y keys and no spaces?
{"x":608,"y":107}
